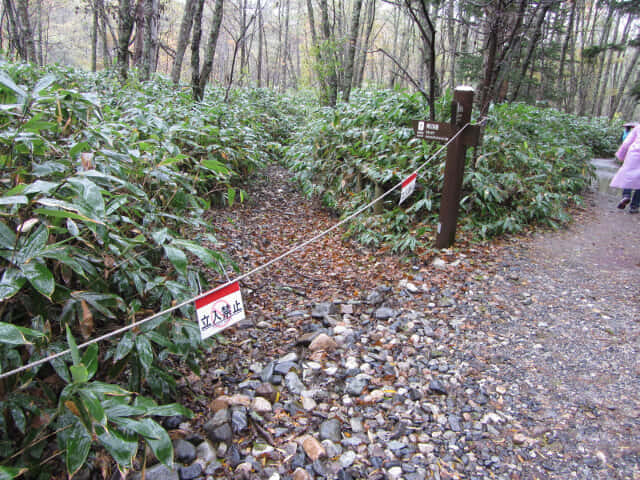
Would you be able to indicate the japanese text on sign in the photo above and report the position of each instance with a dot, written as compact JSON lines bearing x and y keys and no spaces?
{"x":219,"y":310}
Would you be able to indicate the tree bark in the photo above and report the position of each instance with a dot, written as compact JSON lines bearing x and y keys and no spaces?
{"x":260,"y":45}
{"x":195,"y":51}
{"x":561,"y":87}
{"x":533,"y":44}
{"x":124,"y":34}
{"x":145,"y":71}
{"x":26,"y":32}
{"x":329,"y":60}
{"x":211,"y":47}
{"x":94,"y":38}
{"x":183,"y":39}
{"x":351,"y":51}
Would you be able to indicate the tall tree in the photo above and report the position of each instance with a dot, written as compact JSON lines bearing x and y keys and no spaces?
{"x":125,"y":27}
{"x":351,"y":50}
{"x":183,"y":39}
{"x":210,"y":52}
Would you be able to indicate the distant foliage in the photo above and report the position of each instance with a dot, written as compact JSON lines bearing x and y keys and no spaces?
{"x":102,"y":197}
{"x":532,"y":165}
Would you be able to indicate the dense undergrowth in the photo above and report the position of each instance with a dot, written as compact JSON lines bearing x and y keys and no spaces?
{"x":532,"y":165}
{"x":102,"y":195}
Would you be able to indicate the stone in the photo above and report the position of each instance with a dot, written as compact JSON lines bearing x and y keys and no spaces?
{"x":243,"y":470}
{"x":242,"y":400}
{"x":261,"y":405}
{"x":330,"y":430}
{"x":158,"y":472}
{"x":346,"y":309}
{"x":221,"y":433}
{"x":206,"y":452}
{"x":313,"y":448}
{"x":239,"y":420}
{"x":347,"y":459}
{"x":323,"y":342}
{"x":384,"y":313}
{"x":301,"y":474}
{"x":324,"y":309}
{"x":357,"y":384}
{"x":266,"y":390}
{"x":308,"y":403}
{"x":436,"y":386}
{"x":375,"y":298}
{"x":190,"y":472}
{"x":184,"y":451}
{"x":293,"y":383}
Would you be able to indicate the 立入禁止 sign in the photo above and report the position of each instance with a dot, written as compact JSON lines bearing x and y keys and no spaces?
{"x":219,"y":310}
{"x":408,"y":186}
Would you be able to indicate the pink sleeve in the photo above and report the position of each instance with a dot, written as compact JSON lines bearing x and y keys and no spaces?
{"x":632,"y":137}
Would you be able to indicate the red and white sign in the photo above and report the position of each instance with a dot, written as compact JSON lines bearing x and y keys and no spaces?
{"x":408,"y":186}
{"x":219,"y":310}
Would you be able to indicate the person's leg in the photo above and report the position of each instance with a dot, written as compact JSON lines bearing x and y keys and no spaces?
{"x":626,"y":198}
{"x":635,"y":202}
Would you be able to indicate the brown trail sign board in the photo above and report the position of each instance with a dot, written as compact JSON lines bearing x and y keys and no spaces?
{"x":456,"y":152}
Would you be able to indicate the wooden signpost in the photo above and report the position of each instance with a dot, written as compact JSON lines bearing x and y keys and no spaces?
{"x":456,"y":152}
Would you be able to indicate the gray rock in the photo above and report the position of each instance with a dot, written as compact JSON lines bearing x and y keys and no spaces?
{"x":324,"y":309}
{"x":436,"y":386}
{"x":206,"y":452}
{"x":454,"y":423}
{"x":158,"y":472}
{"x":384,"y":313}
{"x":293,"y":383}
{"x":284,"y":367}
{"x":190,"y":472}
{"x":330,"y":430}
{"x":184,"y":451}
{"x":239,"y":421}
{"x":267,"y":372}
{"x":357,"y":384}
{"x":375,"y":298}
{"x":221,"y":433}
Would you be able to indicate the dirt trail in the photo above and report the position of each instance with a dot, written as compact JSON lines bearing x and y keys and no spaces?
{"x":546,"y":326}
{"x":575,"y":349}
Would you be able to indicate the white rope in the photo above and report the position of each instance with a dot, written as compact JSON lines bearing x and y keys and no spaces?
{"x":298,"y":247}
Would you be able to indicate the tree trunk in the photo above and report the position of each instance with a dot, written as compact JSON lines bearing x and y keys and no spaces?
{"x":604,"y":40}
{"x":616,"y":69}
{"x":260,"y":43}
{"x":27,"y":32}
{"x":351,"y":51}
{"x":183,"y":39}
{"x":145,"y":70}
{"x":124,"y":33}
{"x":533,"y":44}
{"x":329,"y":58}
{"x":625,"y":79}
{"x":562,"y":84}
{"x":371,"y":15}
{"x":211,"y":47}
{"x":195,"y":51}
{"x":94,"y":39}
{"x":452,"y":43}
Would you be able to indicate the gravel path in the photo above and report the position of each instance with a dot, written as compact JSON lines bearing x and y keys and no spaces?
{"x":516,"y":360}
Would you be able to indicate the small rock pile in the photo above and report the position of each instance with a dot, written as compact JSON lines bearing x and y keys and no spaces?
{"x":370,"y":389}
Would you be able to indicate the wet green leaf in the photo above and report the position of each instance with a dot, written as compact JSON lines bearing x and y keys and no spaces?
{"x":39,"y":276}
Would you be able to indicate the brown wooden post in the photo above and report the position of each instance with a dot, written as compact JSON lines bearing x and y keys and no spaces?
{"x":454,"y":168}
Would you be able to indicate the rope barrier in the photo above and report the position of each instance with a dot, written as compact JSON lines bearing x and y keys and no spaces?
{"x":296,"y":248}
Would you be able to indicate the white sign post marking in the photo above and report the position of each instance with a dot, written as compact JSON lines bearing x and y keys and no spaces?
{"x":408,"y":186}
{"x":219,"y":310}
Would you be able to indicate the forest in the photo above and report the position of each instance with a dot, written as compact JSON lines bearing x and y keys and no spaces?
{"x":125,"y":124}
{"x":579,"y":56}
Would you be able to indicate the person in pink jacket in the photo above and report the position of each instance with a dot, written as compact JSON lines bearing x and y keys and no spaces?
{"x":628,"y":176}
